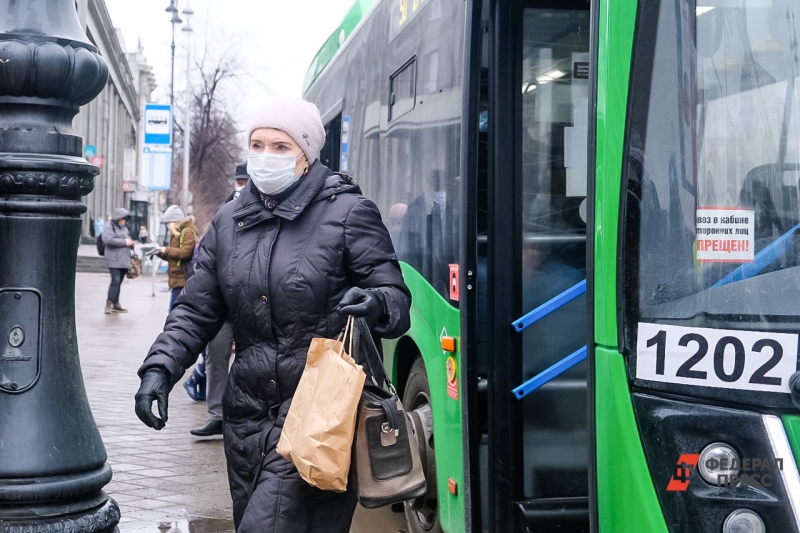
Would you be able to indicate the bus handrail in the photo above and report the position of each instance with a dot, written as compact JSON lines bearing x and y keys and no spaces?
{"x":761,"y":260}
{"x":545,"y":376}
{"x":565,"y":364}
{"x":550,"y":306}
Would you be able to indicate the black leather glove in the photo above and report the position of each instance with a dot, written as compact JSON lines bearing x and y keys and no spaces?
{"x":794,"y":388}
{"x":363,"y":303}
{"x":154,"y":387}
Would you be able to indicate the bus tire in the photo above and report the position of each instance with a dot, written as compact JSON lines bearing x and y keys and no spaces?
{"x":422,"y":514}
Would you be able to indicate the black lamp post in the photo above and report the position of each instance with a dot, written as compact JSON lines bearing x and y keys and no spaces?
{"x":52,"y":461}
{"x":173,"y":9}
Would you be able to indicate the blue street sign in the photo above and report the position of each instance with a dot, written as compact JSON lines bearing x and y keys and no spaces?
{"x":158,"y":124}
{"x":90,"y":151}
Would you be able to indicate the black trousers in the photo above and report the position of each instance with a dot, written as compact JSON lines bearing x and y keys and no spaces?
{"x":117,"y":275}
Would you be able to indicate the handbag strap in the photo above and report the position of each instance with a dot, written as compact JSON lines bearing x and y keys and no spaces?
{"x":392,"y":415}
{"x":371,"y":358}
{"x":180,"y":241}
{"x":377,"y":372}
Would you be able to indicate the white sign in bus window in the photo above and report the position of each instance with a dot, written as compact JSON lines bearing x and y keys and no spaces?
{"x":576,"y":137}
{"x":725,"y":235}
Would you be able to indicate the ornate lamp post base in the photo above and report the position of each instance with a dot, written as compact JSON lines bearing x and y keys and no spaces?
{"x":52,"y":460}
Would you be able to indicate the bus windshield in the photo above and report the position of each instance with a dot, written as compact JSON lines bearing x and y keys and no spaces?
{"x":712,"y":165}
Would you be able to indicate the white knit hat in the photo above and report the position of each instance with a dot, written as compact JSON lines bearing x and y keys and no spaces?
{"x":173,"y":214}
{"x":297,"y":118}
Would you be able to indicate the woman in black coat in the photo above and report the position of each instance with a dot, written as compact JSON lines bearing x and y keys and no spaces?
{"x":299,"y":249}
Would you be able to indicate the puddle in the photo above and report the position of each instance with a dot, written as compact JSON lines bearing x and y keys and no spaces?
{"x":194,"y":525}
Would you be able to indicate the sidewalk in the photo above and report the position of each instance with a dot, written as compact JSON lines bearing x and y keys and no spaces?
{"x":168,"y":480}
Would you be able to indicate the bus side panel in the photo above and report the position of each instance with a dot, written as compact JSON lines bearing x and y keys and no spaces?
{"x":791,"y":425}
{"x":617,"y":20}
{"x":624,"y":485}
{"x":419,"y":154}
{"x":408,"y":163}
{"x":426,"y":304}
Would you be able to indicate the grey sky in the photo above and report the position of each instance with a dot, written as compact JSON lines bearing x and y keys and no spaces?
{"x":276,"y":41}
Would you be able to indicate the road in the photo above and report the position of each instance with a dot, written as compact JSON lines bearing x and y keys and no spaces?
{"x":167,"y":481}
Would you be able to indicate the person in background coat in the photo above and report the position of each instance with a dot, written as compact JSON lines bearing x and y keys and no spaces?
{"x":182,"y":238}
{"x":285,"y":262}
{"x":118,"y":245}
{"x":240,"y":180}
{"x":218,"y":353}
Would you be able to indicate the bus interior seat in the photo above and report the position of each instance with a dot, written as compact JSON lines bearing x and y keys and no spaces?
{"x":776,"y":206}
{"x":759,"y":191}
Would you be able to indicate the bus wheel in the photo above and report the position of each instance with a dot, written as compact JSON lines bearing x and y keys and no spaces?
{"x":422,"y":514}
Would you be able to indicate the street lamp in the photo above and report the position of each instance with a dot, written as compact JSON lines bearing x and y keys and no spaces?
{"x":53,"y":465}
{"x":173,"y":8}
{"x":187,"y":130}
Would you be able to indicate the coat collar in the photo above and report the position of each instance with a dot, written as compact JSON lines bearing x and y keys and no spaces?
{"x":187,"y":222}
{"x":320,"y":183}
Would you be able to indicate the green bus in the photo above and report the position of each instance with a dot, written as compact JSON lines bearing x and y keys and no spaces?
{"x":595,"y":206}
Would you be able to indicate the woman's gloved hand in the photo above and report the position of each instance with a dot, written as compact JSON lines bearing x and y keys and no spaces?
{"x":363,"y":303}
{"x":154,"y":387}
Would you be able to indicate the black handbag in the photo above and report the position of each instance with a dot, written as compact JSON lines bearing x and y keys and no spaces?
{"x":386,"y":466}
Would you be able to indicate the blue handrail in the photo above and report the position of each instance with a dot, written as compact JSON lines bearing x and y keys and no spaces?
{"x":550,"y":306}
{"x":761,"y":261}
{"x":565,"y":364}
{"x":551,"y":373}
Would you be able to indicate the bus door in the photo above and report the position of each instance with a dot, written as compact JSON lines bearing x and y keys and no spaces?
{"x":534,"y":209}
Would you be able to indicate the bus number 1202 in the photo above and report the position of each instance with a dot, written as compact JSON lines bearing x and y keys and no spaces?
{"x":730,"y":359}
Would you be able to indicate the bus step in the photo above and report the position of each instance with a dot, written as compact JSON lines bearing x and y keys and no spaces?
{"x":556,"y":515}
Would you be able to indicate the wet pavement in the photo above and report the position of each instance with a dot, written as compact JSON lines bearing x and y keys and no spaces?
{"x":167,"y":481}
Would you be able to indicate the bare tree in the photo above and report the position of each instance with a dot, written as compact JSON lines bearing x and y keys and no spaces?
{"x":215,"y":149}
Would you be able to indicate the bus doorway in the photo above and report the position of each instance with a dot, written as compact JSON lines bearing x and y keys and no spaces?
{"x":536,"y":445}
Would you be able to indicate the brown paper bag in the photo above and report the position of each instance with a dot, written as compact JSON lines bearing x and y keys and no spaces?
{"x":317,"y":436}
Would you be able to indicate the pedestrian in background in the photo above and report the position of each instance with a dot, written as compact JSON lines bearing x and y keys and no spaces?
{"x":99,"y":227}
{"x":182,"y":238}
{"x":118,"y":245}
{"x":240,"y":180}
{"x":218,"y":352}
{"x":287,"y":261}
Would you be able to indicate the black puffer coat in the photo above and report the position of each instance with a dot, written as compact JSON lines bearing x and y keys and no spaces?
{"x":279,"y":276}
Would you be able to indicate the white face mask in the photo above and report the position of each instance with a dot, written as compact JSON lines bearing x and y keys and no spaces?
{"x":272,"y":173}
{"x":239,"y":188}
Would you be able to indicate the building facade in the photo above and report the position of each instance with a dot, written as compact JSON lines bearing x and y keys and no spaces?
{"x":110,"y":124}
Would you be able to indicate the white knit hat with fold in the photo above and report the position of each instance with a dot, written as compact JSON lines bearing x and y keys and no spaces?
{"x":299,"y":119}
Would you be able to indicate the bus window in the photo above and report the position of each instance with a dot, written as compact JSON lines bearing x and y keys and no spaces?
{"x":554,"y":125}
{"x":712,"y":167}
{"x":403,"y":90}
